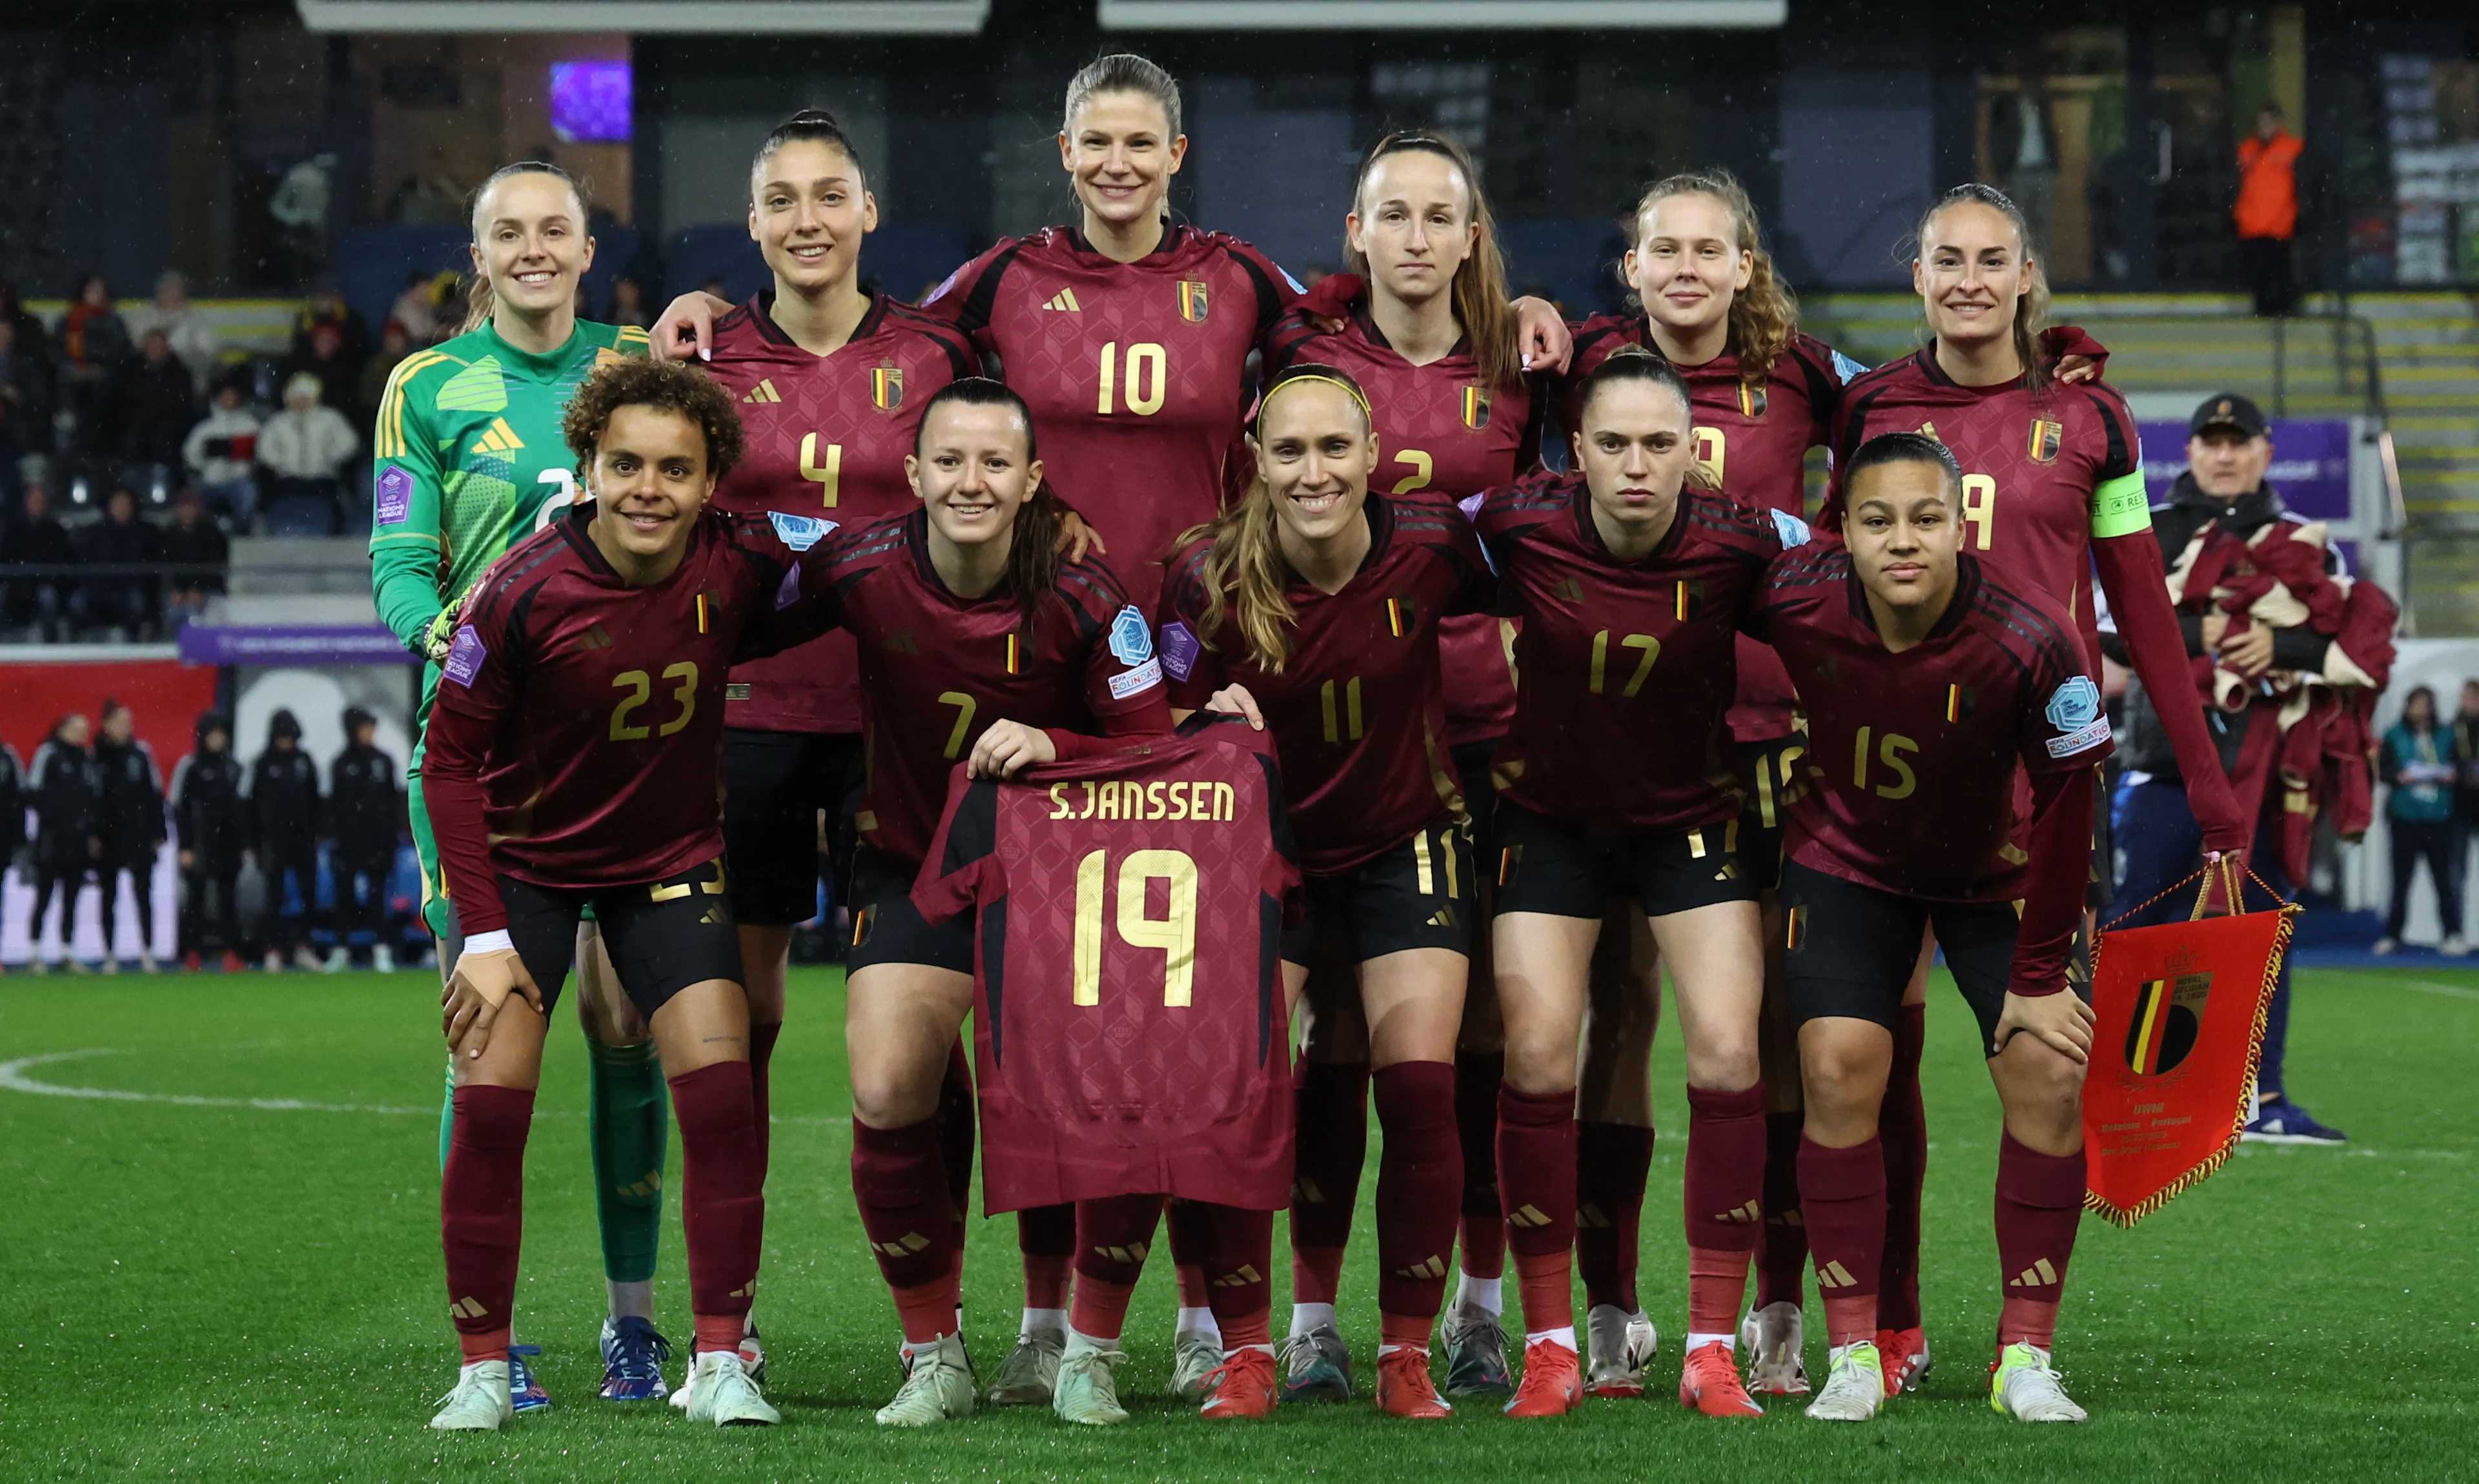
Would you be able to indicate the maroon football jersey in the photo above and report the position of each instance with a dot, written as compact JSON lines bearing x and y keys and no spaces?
{"x":1749,"y":441}
{"x":1627,"y":669}
{"x":827,"y":436}
{"x":1129,"y":1030}
{"x":937,"y":670}
{"x":1135,"y":372}
{"x":1358,"y":710}
{"x":2042,"y":473}
{"x":1443,"y":429}
{"x":1914,"y":760}
{"x":577,"y":735}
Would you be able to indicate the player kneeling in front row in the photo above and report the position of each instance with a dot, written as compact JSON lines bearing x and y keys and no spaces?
{"x":572,"y":750}
{"x":1932,"y":685}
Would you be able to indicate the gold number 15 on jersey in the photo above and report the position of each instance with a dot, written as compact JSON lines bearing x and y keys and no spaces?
{"x":1174,"y":934}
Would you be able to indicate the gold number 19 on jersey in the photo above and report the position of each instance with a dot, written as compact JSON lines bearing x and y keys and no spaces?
{"x":1175,"y":934}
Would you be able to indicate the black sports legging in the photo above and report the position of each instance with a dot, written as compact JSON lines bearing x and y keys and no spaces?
{"x":2432,"y":840}
{"x":49,"y":875}
{"x":141,"y":881}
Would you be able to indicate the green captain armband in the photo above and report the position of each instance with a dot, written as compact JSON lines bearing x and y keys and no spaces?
{"x":2120,"y":507}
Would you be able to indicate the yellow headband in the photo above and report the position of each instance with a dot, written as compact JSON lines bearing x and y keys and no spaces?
{"x":1368,"y":420}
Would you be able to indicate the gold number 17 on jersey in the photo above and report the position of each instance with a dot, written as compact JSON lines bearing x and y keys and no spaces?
{"x":1174,"y":934}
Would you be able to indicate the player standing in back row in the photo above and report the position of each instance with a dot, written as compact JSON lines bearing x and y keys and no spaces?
{"x":467,"y":459}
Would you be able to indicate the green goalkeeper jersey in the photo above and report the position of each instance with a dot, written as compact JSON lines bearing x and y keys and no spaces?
{"x":468,"y":460}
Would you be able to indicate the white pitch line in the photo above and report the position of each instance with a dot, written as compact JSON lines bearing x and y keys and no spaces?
{"x":2422,"y":985}
{"x":14,"y":1078}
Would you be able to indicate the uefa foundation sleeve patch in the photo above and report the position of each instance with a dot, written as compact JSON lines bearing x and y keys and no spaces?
{"x":2119,"y":507}
{"x":394,"y":496}
{"x":464,"y":656}
{"x":1131,"y":682}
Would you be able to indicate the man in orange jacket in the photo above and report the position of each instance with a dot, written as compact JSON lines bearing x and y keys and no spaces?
{"x":2267,"y":207}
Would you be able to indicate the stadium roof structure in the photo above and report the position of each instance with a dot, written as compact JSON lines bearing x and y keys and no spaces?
{"x":709,"y":18}
{"x":1440,"y":14}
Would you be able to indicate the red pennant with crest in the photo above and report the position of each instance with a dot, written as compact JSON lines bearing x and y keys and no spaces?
{"x":2179,"y":1012}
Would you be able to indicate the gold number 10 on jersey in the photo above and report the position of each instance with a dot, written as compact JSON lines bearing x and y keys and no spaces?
{"x":1175,"y":935}
{"x":1146,"y":378}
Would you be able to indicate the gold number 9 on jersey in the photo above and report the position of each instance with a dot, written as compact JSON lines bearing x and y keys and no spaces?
{"x":640,"y":687}
{"x":1174,"y":934}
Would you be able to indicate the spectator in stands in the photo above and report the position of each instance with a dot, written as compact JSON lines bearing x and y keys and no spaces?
{"x":305,"y":448}
{"x":183,"y":325}
{"x":133,"y":830}
{"x":413,"y":310}
{"x":95,"y":341}
{"x":282,"y":824}
{"x":366,"y":816}
{"x":207,"y":806}
{"x":2267,"y":210}
{"x":32,"y":338}
{"x":154,"y":403}
{"x":2418,"y":762}
{"x":628,"y":302}
{"x":2465,"y":777}
{"x":40,"y":601}
{"x":195,"y":558}
{"x":25,"y":401}
{"x":395,"y":345}
{"x":327,"y":308}
{"x":13,"y":807}
{"x":339,"y":373}
{"x":222,"y":452}
{"x":67,"y":796}
{"x":123,"y":598}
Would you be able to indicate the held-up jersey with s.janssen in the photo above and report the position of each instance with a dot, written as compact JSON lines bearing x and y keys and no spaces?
{"x":1129,"y":1022}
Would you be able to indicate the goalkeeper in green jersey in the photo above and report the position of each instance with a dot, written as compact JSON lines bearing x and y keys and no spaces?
{"x":467,"y":459}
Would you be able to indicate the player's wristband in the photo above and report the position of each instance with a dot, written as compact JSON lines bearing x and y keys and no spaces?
{"x":496,"y":941}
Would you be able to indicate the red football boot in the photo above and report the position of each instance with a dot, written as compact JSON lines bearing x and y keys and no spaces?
{"x":1553,"y":1382}
{"x":1711,"y":1385}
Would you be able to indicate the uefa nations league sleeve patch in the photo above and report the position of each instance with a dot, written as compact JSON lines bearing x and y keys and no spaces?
{"x":394,"y":496}
{"x":800,"y":532}
{"x":1179,"y":650}
{"x":464,"y":656}
{"x":1132,"y":639}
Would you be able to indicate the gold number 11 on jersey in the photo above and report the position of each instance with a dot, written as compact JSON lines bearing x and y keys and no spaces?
{"x":1175,"y":935}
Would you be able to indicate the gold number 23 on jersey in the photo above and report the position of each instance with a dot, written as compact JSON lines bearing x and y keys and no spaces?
{"x":640,"y":687}
{"x":1174,"y":933}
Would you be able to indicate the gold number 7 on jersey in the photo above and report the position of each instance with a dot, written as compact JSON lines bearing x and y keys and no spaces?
{"x":1174,"y":933}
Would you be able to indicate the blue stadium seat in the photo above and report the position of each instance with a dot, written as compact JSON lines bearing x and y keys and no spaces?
{"x":1575,"y":260}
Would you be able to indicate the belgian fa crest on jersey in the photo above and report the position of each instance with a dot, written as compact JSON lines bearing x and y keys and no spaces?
{"x":1192,"y":300}
{"x":2046,"y":436}
{"x":1751,"y":402}
{"x":1475,"y":408}
{"x":1400,"y":621}
{"x":1960,"y":701}
{"x":886,"y":387}
{"x":1688,"y":602}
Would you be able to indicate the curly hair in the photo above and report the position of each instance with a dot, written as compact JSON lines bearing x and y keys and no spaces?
{"x":672,"y":386}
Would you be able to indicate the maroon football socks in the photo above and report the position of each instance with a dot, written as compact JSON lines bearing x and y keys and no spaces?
{"x":1046,"y":1238}
{"x":1112,"y":1237}
{"x":722,"y":1196}
{"x":1190,"y":1235}
{"x":1478,"y":1075}
{"x":2040,"y":1204}
{"x":1842,"y":1192}
{"x":900,"y":1181}
{"x":1237,"y":1270}
{"x":1781,"y":1248}
{"x":1332,"y":1141}
{"x":1611,"y":1163}
{"x":1420,"y":1187}
{"x":1903,"y":1127}
{"x":1725,"y":1202}
{"x":1536,"y":1149}
{"x":482,"y":1214}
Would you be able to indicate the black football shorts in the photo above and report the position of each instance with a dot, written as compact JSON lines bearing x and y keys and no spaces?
{"x":663,"y":935}
{"x":1418,"y":894}
{"x":1548,"y":865}
{"x":1848,"y":949}
{"x":775,"y":783}
{"x":1766,"y":772}
{"x":887,"y":927}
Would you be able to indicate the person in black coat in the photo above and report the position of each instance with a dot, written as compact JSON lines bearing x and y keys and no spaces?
{"x":67,"y":795}
{"x":126,"y":599}
{"x":155,"y":403}
{"x":365,"y":819}
{"x":36,"y":539}
{"x":133,"y":828}
{"x":196,"y":555}
{"x":283,"y":820}
{"x":206,"y":789}
{"x":13,"y":804}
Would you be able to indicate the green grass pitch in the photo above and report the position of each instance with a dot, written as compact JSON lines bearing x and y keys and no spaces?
{"x":202,"y":1288}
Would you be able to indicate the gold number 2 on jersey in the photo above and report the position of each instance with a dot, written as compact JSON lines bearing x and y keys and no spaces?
{"x":1174,"y":934}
